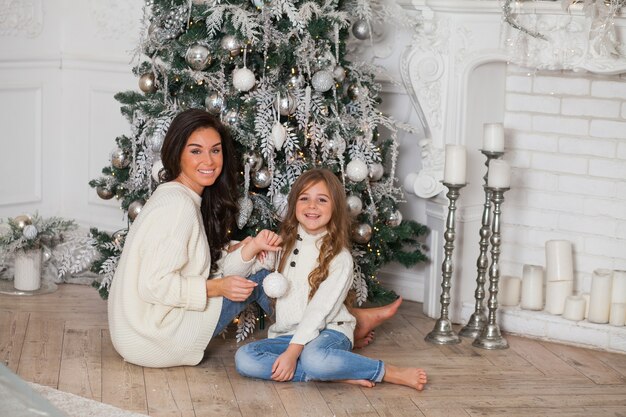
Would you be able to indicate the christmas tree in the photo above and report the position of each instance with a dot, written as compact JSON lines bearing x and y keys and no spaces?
{"x":277,"y":72}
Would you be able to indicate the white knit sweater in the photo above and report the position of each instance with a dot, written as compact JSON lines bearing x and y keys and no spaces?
{"x":159,"y":313}
{"x":303,"y":318}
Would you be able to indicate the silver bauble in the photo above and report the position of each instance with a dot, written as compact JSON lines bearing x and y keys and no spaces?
{"x":286,"y":105}
{"x":362,"y":233}
{"x":355,"y":91}
{"x":253,"y":159}
{"x":147,"y":83}
{"x":394,"y":218}
{"x":356,"y":170}
{"x":361,"y":29}
{"x":198,"y":57}
{"x":23,"y":220}
{"x":376,"y":171}
{"x":30,"y":232}
{"x":231,"y":117}
{"x":214,"y":103}
{"x":119,"y":237}
{"x":231,"y":44}
{"x":243,"y":79}
{"x":339,"y":73}
{"x":336,"y":145}
{"x":355,"y":205}
{"x":104,"y":193}
{"x":262,"y":178}
{"x":119,"y":159}
{"x":296,"y":81}
{"x":322,"y":81}
{"x":134,"y":209}
{"x":275,"y":285}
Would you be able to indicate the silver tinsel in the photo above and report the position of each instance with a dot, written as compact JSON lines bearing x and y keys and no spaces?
{"x":198,"y":57}
{"x":214,"y":103}
{"x":361,"y":29}
{"x":119,"y":159}
{"x":362,"y":233}
{"x":262,"y":178}
{"x":147,"y":83}
{"x":322,"y":81}
{"x":134,"y":209}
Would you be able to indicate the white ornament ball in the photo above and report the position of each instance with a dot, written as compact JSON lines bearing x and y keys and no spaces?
{"x":275,"y":285}
{"x":322,"y":81}
{"x":279,"y":134}
{"x":357,"y":170}
{"x":156,"y":170}
{"x":376,"y":171}
{"x":355,"y":205}
{"x":243,"y":79}
{"x":29,"y":232}
{"x":198,"y":57}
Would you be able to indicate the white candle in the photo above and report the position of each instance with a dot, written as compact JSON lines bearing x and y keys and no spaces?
{"x":455,"y":165}
{"x":499,"y":174}
{"x":619,"y":287}
{"x":600,"y":296}
{"x":618,"y":314}
{"x":556,"y":293}
{"x":532,"y":287}
{"x":585,"y":295}
{"x":574,"y":308}
{"x":493,"y":137}
{"x":509,"y":291}
{"x":559,"y":263}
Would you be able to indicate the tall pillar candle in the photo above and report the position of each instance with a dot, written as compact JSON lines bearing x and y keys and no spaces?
{"x":574,"y":308}
{"x":618,"y":291}
{"x":499,"y":175}
{"x":493,"y":137}
{"x":617,"y":317}
{"x":559,"y":263}
{"x":532,"y":287}
{"x":600,"y":296}
{"x":509,"y":292}
{"x":556,"y":293}
{"x":455,"y":168}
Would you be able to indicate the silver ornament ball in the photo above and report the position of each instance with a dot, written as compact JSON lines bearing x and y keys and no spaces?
{"x":362,"y":233}
{"x":296,"y":81}
{"x":394,"y":218}
{"x":231,"y":44}
{"x":262,"y":178}
{"x":339,"y":73}
{"x":147,"y":83}
{"x":231,"y":117}
{"x":104,"y":193}
{"x":134,"y":209}
{"x":376,"y":171}
{"x":214,"y":103}
{"x":198,"y":57}
{"x":119,"y":159}
{"x":355,"y":205}
{"x":361,"y":29}
{"x":286,"y":104}
{"x":253,"y":159}
{"x":336,"y":146}
{"x":119,"y":237}
{"x":322,"y":81}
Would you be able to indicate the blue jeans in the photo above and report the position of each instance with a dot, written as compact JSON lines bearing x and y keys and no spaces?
{"x":326,"y":358}
{"x":230,"y":309}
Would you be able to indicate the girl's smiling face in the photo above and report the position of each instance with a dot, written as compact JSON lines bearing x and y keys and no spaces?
{"x":202,"y":160}
{"x":314,"y":208}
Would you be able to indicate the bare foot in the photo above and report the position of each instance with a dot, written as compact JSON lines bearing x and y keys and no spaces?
{"x":364,"y":341}
{"x":367,"y":319}
{"x":360,"y":382}
{"x":411,"y":377}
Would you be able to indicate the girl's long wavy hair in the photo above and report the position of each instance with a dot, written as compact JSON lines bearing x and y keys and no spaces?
{"x":338,"y":227}
{"x":219,"y":201}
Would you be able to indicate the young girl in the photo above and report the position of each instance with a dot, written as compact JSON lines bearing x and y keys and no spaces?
{"x":312,"y":337}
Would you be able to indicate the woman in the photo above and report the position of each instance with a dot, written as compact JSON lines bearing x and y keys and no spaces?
{"x":163,"y":310}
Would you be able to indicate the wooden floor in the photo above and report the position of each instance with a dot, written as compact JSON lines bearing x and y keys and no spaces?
{"x":61,"y":340}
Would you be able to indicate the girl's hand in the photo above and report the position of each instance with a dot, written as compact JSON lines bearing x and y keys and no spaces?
{"x":265,"y":240}
{"x":233,"y":287}
{"x":285,"y":365}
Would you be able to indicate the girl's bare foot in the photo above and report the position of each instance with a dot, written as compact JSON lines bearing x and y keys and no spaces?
{"x":360,"y":382}
{"x":367,"y":319}
{"x":411,"y":377}
{"x":361,"y":343}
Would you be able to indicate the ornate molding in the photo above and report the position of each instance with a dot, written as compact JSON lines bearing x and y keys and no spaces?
{"x":21,"y":18}
{"x":112,"y":18}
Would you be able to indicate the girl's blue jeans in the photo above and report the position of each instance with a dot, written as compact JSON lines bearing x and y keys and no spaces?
{"x":328,"y":357}
{"x":230,"y":309}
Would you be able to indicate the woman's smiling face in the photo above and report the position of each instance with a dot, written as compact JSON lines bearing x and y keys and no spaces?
{"x":202,"y":160}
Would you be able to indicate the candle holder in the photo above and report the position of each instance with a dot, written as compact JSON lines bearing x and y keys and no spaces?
{"x":478,"y":319}
{"x":442,"y":333}
{"x":490,"y":336}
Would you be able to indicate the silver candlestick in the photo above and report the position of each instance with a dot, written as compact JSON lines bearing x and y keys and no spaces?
{"x":490,"y":336}
{"x":478,"y":319}
{"x":442,"y":333}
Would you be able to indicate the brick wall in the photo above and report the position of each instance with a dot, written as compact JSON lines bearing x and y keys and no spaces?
{"x":566,"y":143}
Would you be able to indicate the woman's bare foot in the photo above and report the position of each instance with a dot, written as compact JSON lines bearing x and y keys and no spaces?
{"x":364,"y":341}
{"x":360,"y":382}
{"x":367,"y":319}
{"x":411,"y":377}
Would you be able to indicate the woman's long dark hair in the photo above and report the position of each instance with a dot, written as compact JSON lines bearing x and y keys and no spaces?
{"x":219,"y":201}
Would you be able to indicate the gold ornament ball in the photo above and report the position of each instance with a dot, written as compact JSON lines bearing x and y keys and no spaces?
{"x":134,"y":209}
{"x":147,"y":83}
{"x":119,"y":159}
{"x":104,"y":193}
{"x":362,"y":233}
{"x":23,"y":220}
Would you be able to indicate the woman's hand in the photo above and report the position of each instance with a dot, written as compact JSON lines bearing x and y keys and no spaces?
{"x":285,"y":365}
{"x":233,"y":287}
